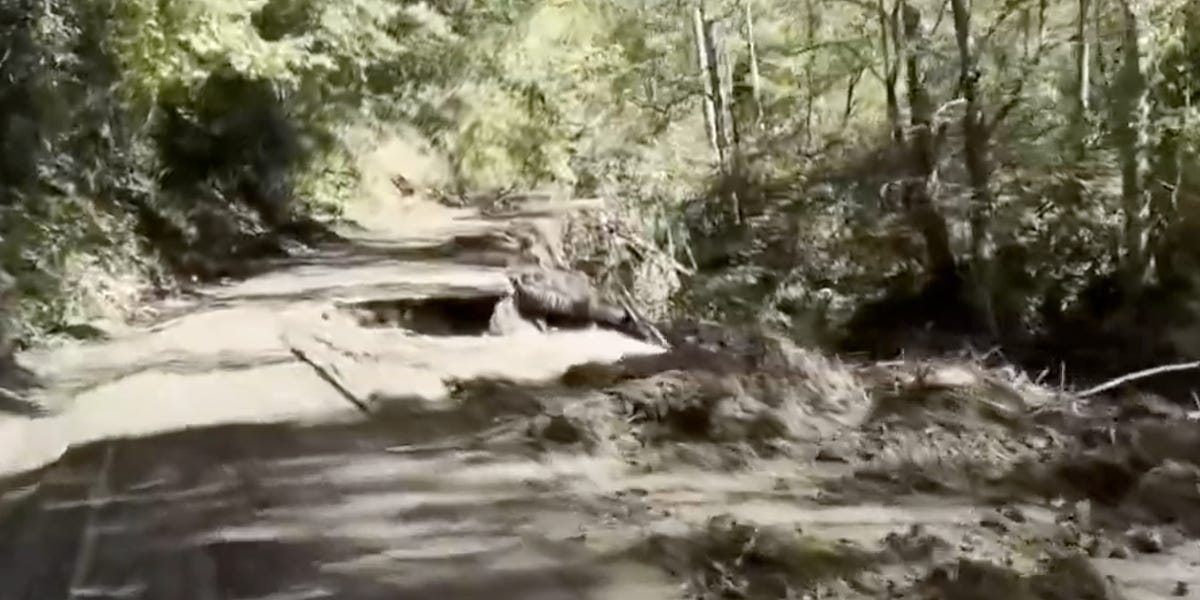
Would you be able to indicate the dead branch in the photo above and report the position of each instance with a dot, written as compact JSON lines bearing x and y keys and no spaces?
{"x":1016,"y":93}
{"x":1136,"y":376}
{"x":324,"y":373}
{"x":628,"y":304}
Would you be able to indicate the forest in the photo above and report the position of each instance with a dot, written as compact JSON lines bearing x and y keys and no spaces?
{"x":871,"y":176}
{"x":851,"y":299}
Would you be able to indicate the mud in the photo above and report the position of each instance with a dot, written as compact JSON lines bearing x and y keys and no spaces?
{"x":735,"y":465}
{"x":1110,"y":484}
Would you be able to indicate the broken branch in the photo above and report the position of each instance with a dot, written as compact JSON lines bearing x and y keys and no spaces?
{"x":1136,"y":376}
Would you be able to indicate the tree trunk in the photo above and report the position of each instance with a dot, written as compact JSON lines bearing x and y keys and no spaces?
{"x":755,"y":81}
{"x":1170,"y":171}
{"x":1130,"y":127}
{"x":811,"y":28}
{"x":891,"y":66}
{"x":976,"y":144}
{"x":712,"y":32}
{"x":918,"y":194}
{"x":724,"y":73}
{"x":1100,"y":61}
{"x":851,"y":89}
{"x":1082,"y":89}
{"x":731,"y":133}
{"x":706,"y":80}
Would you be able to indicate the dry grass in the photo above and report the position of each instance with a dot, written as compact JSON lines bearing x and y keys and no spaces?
{"x":614,"y":247}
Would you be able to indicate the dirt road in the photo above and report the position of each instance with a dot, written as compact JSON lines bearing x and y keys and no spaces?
{"x":200,"y":458}
{"x":342,"y":426}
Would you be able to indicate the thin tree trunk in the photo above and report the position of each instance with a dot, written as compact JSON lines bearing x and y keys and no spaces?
{"x":1100,"y":61}
{"x":731,"y":132}
{"x":975,"y":149}
{"x":809,"y":79}
{"x":752,"y":51}
{"x":712,"y":32}
{"x":1080,"y":92}
{"x":717,"y":81}
{"x":724,"y":71}
{"x":918,"y":194}
{"x":851,"y":88}
{"x":709,"y":101}
{"x":1170,"y":166}
{"x":1043,"y":6}
{"x":1130,"y":124}
{"x":888,"y":36}
{"x":1082,"y":89}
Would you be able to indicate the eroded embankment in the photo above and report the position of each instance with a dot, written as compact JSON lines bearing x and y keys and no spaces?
{"x":874,"y":480}
{"x":754,"y":468}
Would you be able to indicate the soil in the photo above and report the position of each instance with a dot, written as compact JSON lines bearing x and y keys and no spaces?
{"x":483,"y":457}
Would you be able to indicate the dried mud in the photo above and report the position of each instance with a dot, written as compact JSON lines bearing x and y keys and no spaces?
{"x":1051,"y":492}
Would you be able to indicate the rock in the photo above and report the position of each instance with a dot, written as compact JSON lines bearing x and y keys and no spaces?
{"x":1155,"y":442}
{"x":1146,"y":540}
{"x":561,"y":295}
{"x":1013,"y":514}
{"x":593,"y":375}
{"x":1102,"y":478}
{"x":1072,"y":576}
{"x":1170,"y":492}
{"x":559,"y":429}
{"x":507,"y":320}
{"x":1101,"y":547}
{"x":1181,"y":589}
{"x":97,"y":330}
{"x":831,"y":454}
{"x":995,"y":523}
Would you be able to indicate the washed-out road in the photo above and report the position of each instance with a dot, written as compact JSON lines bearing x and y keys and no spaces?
{"x":223,"y":451}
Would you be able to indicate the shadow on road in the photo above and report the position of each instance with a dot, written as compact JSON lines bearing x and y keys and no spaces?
{"x":285,"y":511}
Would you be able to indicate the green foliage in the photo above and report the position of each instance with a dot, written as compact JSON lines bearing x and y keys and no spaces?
{"x":127,"y":121}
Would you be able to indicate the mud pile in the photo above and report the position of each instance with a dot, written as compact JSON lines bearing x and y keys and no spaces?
{"x":694,"y":404}
{"x":1046,"y":482}
{"x":729,"y":559}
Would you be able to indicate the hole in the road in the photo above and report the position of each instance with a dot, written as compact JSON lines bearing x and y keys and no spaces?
{"x":439,"y":315}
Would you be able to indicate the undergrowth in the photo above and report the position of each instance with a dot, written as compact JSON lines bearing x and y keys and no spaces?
{"x":143,"y":140}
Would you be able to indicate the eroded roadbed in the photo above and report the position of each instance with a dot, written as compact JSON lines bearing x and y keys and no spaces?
{"x":225,"y":453}
{"x":286,"y":511}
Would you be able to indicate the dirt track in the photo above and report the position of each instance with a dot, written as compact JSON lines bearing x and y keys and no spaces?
{"x":281,"y":511}
{"x":279,"y":487}
{"x":218,"y":465}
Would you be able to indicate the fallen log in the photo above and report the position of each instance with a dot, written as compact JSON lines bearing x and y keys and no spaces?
{"x":1137,"y":376}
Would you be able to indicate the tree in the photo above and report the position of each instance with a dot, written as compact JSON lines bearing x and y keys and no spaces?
{"x":1130,"y":114}
{"x":976,"y":146}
